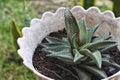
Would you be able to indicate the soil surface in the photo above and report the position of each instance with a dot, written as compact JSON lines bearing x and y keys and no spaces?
{"x":55,"y":69}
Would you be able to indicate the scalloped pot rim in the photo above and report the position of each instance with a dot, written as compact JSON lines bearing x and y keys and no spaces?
{"x":51,"y":22}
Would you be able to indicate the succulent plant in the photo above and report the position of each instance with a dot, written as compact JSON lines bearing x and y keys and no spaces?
{"x":81,"y":49}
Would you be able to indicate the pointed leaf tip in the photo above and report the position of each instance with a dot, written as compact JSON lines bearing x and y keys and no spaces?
{"x":77,"y":55}
{"x":15,"y":33}
{"x":91,"y":32}
{"x":82,"y":31}
{"x":95,"y":56}
{"x":71,"y":24}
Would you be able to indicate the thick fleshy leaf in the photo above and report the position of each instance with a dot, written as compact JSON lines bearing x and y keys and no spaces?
{"x":56,"y":48}
{"x":98,"y":58}
{"x":101,"y":38}
{"x":108,"y":48}
{"x":91,"y":32}
{"x":65,"y":56}
{"x":74,"y":42}
{"x":47,"y":45}
{"x":91,"y":62}
{"x":97,"y":72}
{"x":83,"y":32}
{"x":108,"y":63}
{"x":98,"y":45}
{"x":82,"y":74}
{"x":77,"y":55}
{"x":95,"y":56}
{"x":71,"y":24}
{"x":84,"y":46}
{"x":56,"y":40}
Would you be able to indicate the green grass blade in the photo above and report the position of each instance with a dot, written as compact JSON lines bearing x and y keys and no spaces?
{"x":26,"y":20}
{"x":15,"y":33}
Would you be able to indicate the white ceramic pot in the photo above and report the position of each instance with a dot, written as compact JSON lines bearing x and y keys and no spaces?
{"x":51,"y":22}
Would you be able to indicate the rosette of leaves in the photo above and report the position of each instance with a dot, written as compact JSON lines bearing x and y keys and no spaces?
{"x":81,"y":49}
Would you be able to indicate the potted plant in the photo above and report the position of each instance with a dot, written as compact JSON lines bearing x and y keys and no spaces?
{"x":83,"y":51}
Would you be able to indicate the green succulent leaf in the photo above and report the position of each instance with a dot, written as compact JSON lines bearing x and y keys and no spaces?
{"x":108,"y":63}
{"x":91,"y":62}
{"x":84,"y":46}
{"x":95,"y":56}
{"x":47,"y":45}
{"x":71,"y":24}
{"x":98,"y":45}
{"x":108,"y":48}
{"x":101,"y":38}
{"x":97,"y":72}
{"x":65,"y":55}
{"x":82,"y":74}
{"x":74,"y":42}
{"x":91,"y":32}
{"x":56,"y":48}
{"x":77,"y":55}
{"x":56,"y":40}
{"x":83,"y":32}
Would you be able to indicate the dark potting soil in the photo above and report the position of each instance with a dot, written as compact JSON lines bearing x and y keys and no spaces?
{"x":56,"y":69}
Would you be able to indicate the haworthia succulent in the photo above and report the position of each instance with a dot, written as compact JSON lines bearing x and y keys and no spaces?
{"x":80,"y":50}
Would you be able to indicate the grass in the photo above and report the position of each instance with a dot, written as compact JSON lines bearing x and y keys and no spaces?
{"x":11,"y":66}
